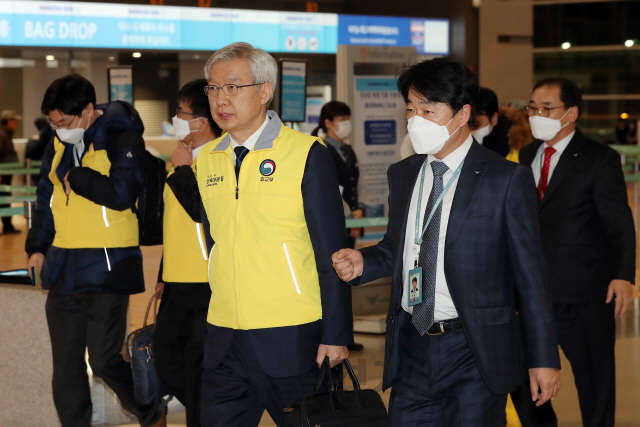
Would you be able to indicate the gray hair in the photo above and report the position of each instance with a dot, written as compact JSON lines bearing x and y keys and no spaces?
{"x":262,"y":67}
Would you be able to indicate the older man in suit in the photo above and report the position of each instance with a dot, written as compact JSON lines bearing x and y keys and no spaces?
{"x":462,"y":218}
{"x":588,"y":238}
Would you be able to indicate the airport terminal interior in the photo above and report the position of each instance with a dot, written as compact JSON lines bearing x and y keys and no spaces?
{"x":142,"y":52}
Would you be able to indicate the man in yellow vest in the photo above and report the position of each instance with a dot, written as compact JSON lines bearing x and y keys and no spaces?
{"x":84,"y":240}
{"x":272,"y":206}
{"x":181,"y":325}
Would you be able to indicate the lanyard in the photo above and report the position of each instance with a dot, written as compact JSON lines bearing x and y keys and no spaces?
{"x":419,"y":236}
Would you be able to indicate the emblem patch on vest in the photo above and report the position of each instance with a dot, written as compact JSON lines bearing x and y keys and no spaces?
{"x":214,"y":180}
{"x":267,"y":167}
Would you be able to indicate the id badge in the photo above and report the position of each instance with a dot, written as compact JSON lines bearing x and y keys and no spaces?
{"x":415,"y":286}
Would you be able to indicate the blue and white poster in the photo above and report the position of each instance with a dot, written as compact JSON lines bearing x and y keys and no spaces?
{"x":121,"y":84}
{"x":293,"y":91}
{"x":380,"y":123}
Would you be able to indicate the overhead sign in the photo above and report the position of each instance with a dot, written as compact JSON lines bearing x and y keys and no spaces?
{"x":105,"y":25}
{"x":428,"y":36}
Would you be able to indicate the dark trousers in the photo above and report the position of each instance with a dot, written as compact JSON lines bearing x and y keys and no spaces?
{"x":6,"y":220}
{"x":178,"y":343}
{"x":96,"y":322}
{"x":529,"y":414}
{"x":439,"y":383}
{"x":237,"y":391}
{"x":586,"y":333}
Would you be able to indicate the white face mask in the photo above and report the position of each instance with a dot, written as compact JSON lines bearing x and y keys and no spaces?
{"x":181,"y":127}
{"x":72,"y":136}
{"x":545,"y":128}
{"x":344,"y":129}
{"x":426,"y":136}
{"x":479,"y":134}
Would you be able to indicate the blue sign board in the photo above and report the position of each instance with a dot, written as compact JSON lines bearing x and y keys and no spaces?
{"x":104,"y":25}
{"x":379,"y":132}
{"x":293,"y":91}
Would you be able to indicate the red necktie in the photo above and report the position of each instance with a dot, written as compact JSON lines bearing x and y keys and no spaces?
{"x":544,"y":174}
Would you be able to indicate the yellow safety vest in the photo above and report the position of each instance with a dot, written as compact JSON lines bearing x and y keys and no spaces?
{"x":262,"y":269}
{"x":185,"y":258}
{"x":81,"y":223}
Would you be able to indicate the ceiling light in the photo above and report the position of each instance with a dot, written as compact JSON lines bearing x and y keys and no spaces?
{"x":136,"y":54}
{"x":112,"y":58}
{"x":566,"y":45}
{"x":629,"y":43}
{"x":50,"y":57}
{"x":624,"y":116}
{"x":196,"y":56}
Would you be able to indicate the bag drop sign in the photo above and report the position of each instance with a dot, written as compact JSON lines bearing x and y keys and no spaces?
{"x":62,"y":31}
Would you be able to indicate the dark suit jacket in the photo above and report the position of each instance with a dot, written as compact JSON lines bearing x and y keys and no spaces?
{"x":587,"y":229}
{"x":492,"y":251}
{"x":292,"y":350}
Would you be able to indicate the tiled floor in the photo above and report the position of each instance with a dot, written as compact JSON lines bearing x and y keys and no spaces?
{"x":368,"y":363}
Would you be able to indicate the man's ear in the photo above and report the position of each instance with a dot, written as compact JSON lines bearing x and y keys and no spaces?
{"x":573,"y":114}
{"x":266,"y":90}
{"x":494,"y":120}
{"x":89,"y":108}
{"x":465,"y":114}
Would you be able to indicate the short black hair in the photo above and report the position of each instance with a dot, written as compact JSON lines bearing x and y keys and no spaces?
{"x":570,"y":94}
{"x":193,"y":94}
{"x":415,"y":279}
{"x":441,"y":80}
{"x":70,"y":94}
{"x":41,"y":123}
{"x":331,"y":110}
{"x":487,"y":102}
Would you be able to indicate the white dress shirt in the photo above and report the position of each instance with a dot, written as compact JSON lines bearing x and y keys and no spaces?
{"x":196,"y":151}
{"x":251,"y":141}
{"x":537,"y":164}
{"x":444,"y":308}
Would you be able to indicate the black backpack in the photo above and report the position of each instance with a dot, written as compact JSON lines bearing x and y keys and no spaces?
{"x":150,"y":206}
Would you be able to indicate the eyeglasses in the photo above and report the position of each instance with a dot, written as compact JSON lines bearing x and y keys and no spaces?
{"x":228,"y":89}
{"x":541,"y":111}
{"x":61,"y":124}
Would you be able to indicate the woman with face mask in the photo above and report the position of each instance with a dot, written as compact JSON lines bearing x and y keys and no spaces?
{"x":336,"y":126}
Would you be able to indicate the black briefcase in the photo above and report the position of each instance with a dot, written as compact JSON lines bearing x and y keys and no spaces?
{"x":337,"y":408}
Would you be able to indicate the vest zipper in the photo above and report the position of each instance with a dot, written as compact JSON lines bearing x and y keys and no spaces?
{"x":67,"y":200}
{"x":233,"y":250}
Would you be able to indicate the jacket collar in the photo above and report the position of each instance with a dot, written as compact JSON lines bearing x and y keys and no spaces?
{"x":265,"y":141}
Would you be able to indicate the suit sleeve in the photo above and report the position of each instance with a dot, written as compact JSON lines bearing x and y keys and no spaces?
{"x":530,"y":271}
{"x":42,"y":231}
{"x":118,"y":191}
{"x":378,"y":259}
{"x":325,"y":221}
{"x":612,"y":203}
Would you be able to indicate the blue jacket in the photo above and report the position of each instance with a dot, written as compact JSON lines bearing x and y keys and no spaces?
{"x":70,"y":271}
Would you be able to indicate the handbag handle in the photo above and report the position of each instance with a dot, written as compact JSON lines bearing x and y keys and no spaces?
{"x":325,"y":371}
{"x":154,"y":300}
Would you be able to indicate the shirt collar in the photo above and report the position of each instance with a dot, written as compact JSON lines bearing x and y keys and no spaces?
{"x":456,"y":157}
{"x":561,"y":145}
{"x":196,"y":151}
{"x":251,"y":141}
{"x":335,"y":144}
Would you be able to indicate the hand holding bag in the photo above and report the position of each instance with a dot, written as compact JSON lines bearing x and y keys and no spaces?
{"x":338,"y":408}
{"x":138,"y":349}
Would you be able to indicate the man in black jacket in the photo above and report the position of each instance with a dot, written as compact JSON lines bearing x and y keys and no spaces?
{"x":84,"y":240}
{"x":588,"y":238}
